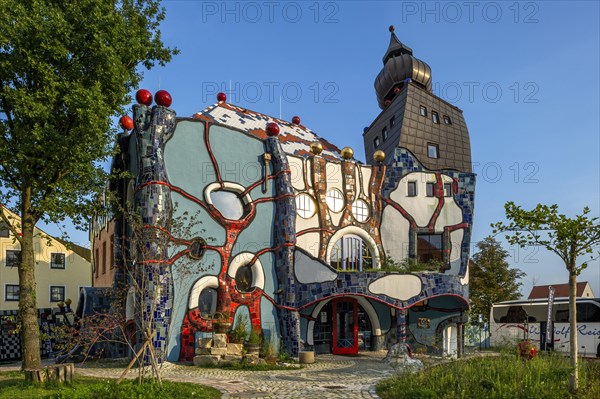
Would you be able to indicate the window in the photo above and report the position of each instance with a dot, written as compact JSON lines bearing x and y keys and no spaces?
{"x":335,"y":200}
{"x":429,"y":247}
{"x":111,"y":259}
{"x":423,"y":110}
{"x":97,"y":262}
{"x":392,"y":121}
{"x":430,"y":189}
{"x":360,"y":210}
{"x":207,"y":303}
{"x":104,"y":257}
{"x":4,"y":230}
{"x":243,"y":279}
{"x":11,"y":292}
{"x":384,"y":133}
{"x":447,"y":189}
{"x":435,"y":117}
{"x":432,"y":151}
{"x":376,"y":142}
{"x":57,"y":260}
{"x":228,"y":203}
{"x":57,"y":293}
{"x":13,"y":258}
{"x":412,"y":189}
{"x":447,"y":120}
{"x":351,"y":253}
{"x":305,"y":206}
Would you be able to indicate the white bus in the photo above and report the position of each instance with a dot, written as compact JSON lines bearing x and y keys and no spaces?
{"x":512,"y":321}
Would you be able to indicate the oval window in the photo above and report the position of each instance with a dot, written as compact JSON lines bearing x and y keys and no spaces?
{"x":305,"y":205}
{"x":228,"y":203}
{"x":197,"y":248}
{"x":335,"y":200}
{"x":243,"y":279}
{"x":360,"y":210}
{"x":207,"y":302}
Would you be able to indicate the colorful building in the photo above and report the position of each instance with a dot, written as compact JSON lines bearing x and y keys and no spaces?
{"x":294,"y":232}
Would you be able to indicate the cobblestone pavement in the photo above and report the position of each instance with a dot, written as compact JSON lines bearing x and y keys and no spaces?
{"x":329,"y":377}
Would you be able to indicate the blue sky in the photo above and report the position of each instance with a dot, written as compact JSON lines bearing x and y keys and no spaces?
{"x":526,"y":75}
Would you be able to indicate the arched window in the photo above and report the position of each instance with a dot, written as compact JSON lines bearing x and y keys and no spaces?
{"x":335,"y":200}
{"x":207,"y":302}
{"x":243,"y":279}
{"x":360,"y":210}
{"x":351,"y":253}
{"x":305,"y":205}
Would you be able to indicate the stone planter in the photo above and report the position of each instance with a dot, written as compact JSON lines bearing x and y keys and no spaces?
{"x":253,"y":349}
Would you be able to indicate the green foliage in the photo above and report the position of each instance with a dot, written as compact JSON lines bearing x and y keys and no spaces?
{"x":13,"y":385}
{"x":255,"y":338}
{"x":491,"y":279}
{"x":67,"y":68}
{"x":569,"y":238}
{"x":240,"y":331}
{"x":391,"y":265}
{"x":495,"y":377}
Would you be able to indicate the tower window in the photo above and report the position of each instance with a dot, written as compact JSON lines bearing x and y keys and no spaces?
{"x":384,"y":133}
{"x":430,"y":188}
{"x":376,"y":142}
{"x":392,"y":121}
{"x":423,"y":110}
{"x":447,"y":120}
{"x":335,"y":200}
{"x":432,"y":150}
{"x":360,"y":210}
{"x":412,"y":189}
{"x":429,"y":247}
{"x":435,"y":117}
{"x":447,"y":189}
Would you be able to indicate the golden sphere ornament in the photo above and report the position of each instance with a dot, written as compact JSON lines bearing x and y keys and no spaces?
{"x":347,"y":153}
{"x":379,"y":156}
{"x":316,"y":148}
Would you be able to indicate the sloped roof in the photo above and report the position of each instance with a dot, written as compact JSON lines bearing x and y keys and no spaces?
{"x":560,"y":290}
{"x":294,"y":139}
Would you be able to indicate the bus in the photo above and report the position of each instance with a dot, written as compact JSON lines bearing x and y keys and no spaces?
{"x":512,"y":321}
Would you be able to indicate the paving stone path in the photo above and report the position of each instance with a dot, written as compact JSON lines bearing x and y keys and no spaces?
{"x":329,"y":377}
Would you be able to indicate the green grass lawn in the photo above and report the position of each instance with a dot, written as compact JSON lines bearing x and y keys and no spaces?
{"x":13,"y":386}
{"x":502,"y":377}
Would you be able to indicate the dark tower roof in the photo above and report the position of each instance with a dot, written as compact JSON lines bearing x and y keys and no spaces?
{"x":399,"y":66}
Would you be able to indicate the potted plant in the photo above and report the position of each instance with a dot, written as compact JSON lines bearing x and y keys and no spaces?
{"x":239,"y":333}
{"x":221,"y":323}
{"x":254,"y":342}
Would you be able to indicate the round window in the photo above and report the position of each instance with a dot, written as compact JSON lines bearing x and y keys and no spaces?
{"x":243,"y":279}
{"x":197,"y":248}
{"x":305,"y":206}
{"x":335,"y":200}
{"x":360,"y":210}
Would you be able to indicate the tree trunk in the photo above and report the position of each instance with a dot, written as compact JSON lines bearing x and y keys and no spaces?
{"x":574,"y":381}
{"x":30,"y":332}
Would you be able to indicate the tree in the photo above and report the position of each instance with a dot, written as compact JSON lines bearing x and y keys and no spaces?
{"x":491,"y":278}
{"x":569,"y":238}
{"x":66,"y":68}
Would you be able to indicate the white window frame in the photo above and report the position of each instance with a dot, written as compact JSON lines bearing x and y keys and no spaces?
{"x":361,"y":213}
{"x":305,"y":206}
{"x":6,"y":257}
{"x":335,"y":203}
{"x":64,"y":287}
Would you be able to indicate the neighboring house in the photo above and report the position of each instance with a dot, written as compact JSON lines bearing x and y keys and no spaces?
{"x":295,"y":231}
{"x":584,"y":290}
{"x":61,"y":269}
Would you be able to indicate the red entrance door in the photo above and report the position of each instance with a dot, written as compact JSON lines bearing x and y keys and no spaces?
{"x":345,"y":326}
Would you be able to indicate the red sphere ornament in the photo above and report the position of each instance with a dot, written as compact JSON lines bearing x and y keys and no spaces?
{"x":296,"y":120}
{"x":163,"y":98}
{"x":221,"y":97}
{"x":272,"y":129}
{"x":144,"y":97}
{"x":126,"y":122}
{"x":387,"y":102}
